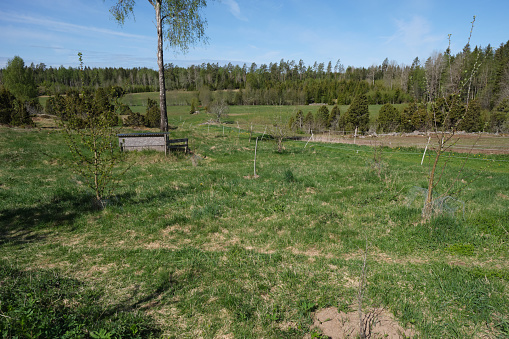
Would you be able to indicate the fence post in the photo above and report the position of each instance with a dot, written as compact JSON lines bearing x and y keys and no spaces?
{"x":256,"y":146}
{"x":425,"y":149}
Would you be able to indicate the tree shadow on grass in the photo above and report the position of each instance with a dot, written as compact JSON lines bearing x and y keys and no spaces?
{"x":44,"y":304}
{"x":18,"y":225}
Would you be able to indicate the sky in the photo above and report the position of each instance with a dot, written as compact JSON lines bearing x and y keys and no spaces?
{"x":359,"y":33}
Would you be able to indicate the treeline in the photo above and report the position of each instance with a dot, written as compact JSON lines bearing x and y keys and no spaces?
{"x":51,"y":81}
{"x":444,"y":114}
{"x":486,"y":70}
{"x":294,"y":83}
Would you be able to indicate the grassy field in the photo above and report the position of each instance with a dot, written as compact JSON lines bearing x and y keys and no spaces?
{"x":179,"y":103}
{"x":195,"y":246}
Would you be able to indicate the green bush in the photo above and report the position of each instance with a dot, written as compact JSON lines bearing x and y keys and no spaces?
{"x":153,"y":115}
{"x":135,"y":119}
{"x":13,"y":111}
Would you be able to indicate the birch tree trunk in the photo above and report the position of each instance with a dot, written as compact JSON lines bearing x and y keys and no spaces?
{"x":160,"y":63}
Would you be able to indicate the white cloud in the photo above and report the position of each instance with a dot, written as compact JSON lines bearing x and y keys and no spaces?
{"x":66,"y":27}
{"x":413,"y":33}
{"x":414,"y":37}
{"x":235,"y":9}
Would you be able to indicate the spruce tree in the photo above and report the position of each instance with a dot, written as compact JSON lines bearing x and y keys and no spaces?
{"x":499,"y":116}
{"x":13,"y":111}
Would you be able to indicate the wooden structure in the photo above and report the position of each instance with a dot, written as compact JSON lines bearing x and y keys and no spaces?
{"x":178,"y":145}
{"x":154,"y":141}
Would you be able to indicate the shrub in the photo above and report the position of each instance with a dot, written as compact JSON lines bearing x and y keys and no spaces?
{"x":135,"y":119}
{"x":13,"y":111}
{"x":153,"y":115}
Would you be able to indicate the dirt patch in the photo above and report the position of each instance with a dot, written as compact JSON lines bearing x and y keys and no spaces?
{"x":378,"y":323}
{"x":503,"y":196}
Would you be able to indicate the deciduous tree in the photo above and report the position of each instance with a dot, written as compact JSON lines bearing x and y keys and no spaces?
{"x":19,"y":80}
{"x":179,"y":22}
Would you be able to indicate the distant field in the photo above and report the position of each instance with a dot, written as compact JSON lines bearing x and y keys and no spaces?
{"x":179,"y":104}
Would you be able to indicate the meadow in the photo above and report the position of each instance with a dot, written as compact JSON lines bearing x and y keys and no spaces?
{"x":197,"y":246}
{"x":179,"y":103}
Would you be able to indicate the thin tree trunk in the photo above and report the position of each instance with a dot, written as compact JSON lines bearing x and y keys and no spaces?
{"x":160,"y":62}
{"x":428,"y":205}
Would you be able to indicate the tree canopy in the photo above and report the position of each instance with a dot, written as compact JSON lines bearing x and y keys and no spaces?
{"x":19,"y":80}
{"x":179,"y":22}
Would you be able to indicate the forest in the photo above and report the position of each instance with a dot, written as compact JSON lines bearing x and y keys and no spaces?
{"x":295,"y":83}
{"x":480,"y":74}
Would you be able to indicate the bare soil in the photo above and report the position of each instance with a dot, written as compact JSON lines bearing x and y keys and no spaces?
{"x":378,"y":323}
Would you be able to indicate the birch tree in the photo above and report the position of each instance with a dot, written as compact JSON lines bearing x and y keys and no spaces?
{"x":179,"y":22}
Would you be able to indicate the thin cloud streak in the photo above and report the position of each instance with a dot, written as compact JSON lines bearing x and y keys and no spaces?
{"x":61,"y":26}
{"x":413,"y":33}
{"x":235,"y":9}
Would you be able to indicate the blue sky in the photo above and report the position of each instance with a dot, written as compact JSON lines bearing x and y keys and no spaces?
{"x":358,"y":32}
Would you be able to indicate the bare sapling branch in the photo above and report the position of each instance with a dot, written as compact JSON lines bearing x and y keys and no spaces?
{"x":446,"y":126}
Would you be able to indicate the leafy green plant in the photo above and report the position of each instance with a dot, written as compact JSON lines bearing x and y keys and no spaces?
{"x":306,"y":307}
{"x":101,"y":334}
{"x":87,"y":122}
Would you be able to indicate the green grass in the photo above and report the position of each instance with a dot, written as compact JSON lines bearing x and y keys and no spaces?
{"x":179,"y":104}
{"x":189,"y":250}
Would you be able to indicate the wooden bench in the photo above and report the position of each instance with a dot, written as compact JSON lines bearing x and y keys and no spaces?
{"x":178,"y":145}
{"x":154,"y":141}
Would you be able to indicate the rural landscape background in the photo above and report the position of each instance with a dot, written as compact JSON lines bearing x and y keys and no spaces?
{"x":316,"y":201}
